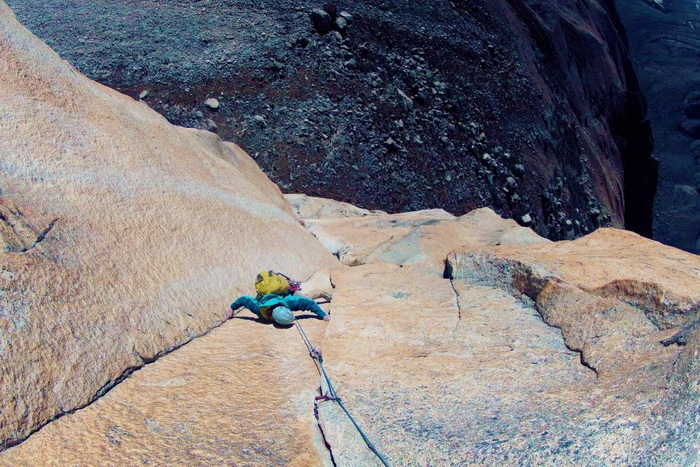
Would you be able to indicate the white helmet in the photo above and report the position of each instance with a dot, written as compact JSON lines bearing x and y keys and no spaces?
{"x":282,"y":315}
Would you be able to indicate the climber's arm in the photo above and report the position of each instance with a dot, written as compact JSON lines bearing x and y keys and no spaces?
{"x":248,"y":302}
{"x":305,"y":304}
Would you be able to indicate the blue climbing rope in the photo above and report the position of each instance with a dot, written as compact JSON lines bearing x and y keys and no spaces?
{"x":333,"y":396}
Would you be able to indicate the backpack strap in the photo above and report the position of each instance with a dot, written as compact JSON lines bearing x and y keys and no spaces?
{"x":289,"y":279}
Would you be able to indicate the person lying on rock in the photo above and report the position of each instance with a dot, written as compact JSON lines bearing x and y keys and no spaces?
{"x":277,"y":308}
{"x":277,"y":296}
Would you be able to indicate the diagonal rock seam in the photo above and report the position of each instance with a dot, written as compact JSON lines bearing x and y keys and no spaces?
{"x":108,"y":386}
{"x":43,"y":234}
{"x":19,"y":235}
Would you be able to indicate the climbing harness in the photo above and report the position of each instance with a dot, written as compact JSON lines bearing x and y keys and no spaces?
{"x":332,"y":395}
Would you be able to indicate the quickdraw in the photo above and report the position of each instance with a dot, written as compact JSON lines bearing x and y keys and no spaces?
{"x":319,"y":399}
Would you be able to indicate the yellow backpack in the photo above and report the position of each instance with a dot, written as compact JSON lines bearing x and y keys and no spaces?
{"x":268,"y":282}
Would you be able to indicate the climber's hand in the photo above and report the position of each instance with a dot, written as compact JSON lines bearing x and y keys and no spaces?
{"x":327,"y":318}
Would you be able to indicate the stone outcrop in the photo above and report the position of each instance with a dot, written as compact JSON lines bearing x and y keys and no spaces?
{"x":631,"y":307}
{"x":121,"y":236}
{"x":310,"y":207}
{"x":572,"y":352}
{"x":422,"y":237}
{"x":607,"y":263}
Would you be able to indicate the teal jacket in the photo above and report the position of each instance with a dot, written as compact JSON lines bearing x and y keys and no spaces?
{"x":263,"y":307}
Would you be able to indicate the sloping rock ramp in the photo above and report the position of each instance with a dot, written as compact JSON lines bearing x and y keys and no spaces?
{"x":121,"y":236}
{"x":535,"y":354}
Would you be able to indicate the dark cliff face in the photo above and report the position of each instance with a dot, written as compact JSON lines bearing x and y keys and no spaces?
{"x":529,"y":107}
{"x":664,"y":41}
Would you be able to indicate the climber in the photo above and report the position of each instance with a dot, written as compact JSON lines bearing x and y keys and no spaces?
{"x":277,"y":296}
{"x":277,"y":308}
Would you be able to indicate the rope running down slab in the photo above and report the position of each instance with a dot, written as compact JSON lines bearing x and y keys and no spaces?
{"x":333,"y":396}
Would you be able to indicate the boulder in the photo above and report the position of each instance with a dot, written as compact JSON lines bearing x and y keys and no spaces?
{"x":123,"y":236}
{"x":340,"y":24}
{"x":406,"y":102}
{"x":211,"y":125}
{"x":212,"y":103}
{"x":322,"y":21}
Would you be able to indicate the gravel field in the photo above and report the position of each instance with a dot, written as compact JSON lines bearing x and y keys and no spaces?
{"x":399,"y":106}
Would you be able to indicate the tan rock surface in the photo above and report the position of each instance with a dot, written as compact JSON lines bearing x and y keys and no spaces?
{"x":631,"y":306}
{"x":311,"y":207}
{"x":663,"y":281}
{"x":433,"y":383}
{"x":436,"y":371}
{"x":442,"y":379}
{"x":123,"y":236}
{"x":581,"y":352}
{"x":242,"y":395}
{"x":423,"y":237}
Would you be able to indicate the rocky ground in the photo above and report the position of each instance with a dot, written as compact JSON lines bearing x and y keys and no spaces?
{"x":390,"y":105}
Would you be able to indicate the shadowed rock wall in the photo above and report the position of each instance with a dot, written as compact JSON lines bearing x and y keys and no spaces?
{"x":664,"y":44}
